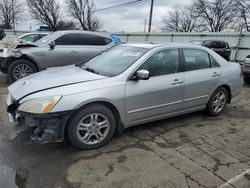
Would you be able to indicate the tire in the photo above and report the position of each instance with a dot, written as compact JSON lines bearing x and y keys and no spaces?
{"x":83,"y":132}
{"x":247,"y":80}
{"x":19,"y":65}
{"x":211,"y":109}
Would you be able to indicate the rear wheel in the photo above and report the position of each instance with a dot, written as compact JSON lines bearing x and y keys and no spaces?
{"x":247,"y":80}
{"x":92,"y":127}
{"x":217,"y":102}
{"x":20,"y":69}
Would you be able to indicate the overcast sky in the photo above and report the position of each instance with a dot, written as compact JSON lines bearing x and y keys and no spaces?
{"x":128,"y":19}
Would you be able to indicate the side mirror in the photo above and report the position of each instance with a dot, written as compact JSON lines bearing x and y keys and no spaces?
{"x":52,"y":44}
{"x":142,"y":74}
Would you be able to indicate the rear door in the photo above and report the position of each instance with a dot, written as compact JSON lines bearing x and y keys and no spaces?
{"x":202,"y":75}
{"x":159,"y":96}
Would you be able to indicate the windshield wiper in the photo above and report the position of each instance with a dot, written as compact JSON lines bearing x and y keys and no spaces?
{"x":90,"y":70}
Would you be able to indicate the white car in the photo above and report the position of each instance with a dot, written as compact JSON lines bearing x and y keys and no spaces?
{"x":33,"y":37}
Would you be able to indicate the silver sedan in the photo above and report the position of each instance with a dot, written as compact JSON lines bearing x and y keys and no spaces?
{"x":127,"y":85}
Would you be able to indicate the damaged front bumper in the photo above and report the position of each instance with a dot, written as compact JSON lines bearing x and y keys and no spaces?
{"x":45,"y":127}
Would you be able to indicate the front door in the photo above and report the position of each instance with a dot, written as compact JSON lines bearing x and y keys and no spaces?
{"x":162,"y":94}
{"x":64,"y":53}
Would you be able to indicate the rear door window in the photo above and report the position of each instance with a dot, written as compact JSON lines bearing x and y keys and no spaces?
{"x":213,"y":62}
{"x":87,"y":39}
{"x":196,"y":59}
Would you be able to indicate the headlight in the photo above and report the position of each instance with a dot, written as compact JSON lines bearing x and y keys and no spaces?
{"x":16,"y":53}
{"x":40,"y":105}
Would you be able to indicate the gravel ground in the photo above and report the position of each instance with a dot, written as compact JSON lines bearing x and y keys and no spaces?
{"x":188,"y":151}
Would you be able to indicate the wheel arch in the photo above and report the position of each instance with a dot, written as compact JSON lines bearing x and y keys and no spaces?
{"x":28,"y":58}
{"x":227,"y":87}
{"x":120,"y":126}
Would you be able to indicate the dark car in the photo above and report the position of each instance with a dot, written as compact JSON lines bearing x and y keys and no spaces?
{"x":219,"y":46}
{"x":246,"y":70}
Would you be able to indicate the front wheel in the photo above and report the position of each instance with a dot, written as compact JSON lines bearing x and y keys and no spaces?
{"x":20,"y":69}
{"x":217,"y":102}
{"x":91,"y":127}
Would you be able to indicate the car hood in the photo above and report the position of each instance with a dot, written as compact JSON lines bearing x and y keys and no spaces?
{"x":51,"y":78}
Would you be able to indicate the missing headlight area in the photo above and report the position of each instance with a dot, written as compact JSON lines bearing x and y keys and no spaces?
{"x":49,"y":128}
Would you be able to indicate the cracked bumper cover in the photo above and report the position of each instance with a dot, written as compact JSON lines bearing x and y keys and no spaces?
{"x":45,"y":127}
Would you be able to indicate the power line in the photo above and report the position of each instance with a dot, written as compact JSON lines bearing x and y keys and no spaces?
{"x":108,"y":2}
{"x":122,"y":5}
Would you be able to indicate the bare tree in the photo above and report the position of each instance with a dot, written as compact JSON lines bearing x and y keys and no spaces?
{"x":218,"y":15}
{"x":9,"y":11}
{"x":244,"y":12}
{"x":45,"y":11}
{"x":183,"y":20}
{"x":84,"y":12}
{"x":65,"y":25}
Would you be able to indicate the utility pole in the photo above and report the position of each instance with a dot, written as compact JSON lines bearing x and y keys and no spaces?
{"x":145,"y":25}
{"x":150,"y":16}
{"x":13,"y":16}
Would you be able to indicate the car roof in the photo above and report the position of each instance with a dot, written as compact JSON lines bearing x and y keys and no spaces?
{"x":170,"y":44}
{"x":205,"y":40}
{"x":104,"y":34}
{"x":32,"y":33}
{"x":142,"y":45}
{"x":44,"y":33}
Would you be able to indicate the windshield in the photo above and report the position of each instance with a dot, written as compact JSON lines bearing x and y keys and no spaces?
{"x":114,"y":61}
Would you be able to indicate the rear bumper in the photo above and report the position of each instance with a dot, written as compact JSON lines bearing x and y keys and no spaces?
{"x":246,"y":71}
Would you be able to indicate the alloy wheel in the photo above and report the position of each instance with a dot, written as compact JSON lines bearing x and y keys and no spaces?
{"x":219,"y":102}
{"x":93,"y":128}
{"x":21,"y":71}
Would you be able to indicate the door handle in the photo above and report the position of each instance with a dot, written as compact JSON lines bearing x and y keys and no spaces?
{"x":215,"y":74}
{"x":177,"y":81}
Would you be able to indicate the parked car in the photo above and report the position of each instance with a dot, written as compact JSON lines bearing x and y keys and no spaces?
{"x":33,"y":37}
{"x":57,"y":49}
{"x":246,"y":70}
{"x":122,"y":87}
{"x":2,"y":34}
{"x":220,"y":47}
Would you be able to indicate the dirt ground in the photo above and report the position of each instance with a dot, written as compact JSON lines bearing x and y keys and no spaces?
{"x":188,"y":151}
